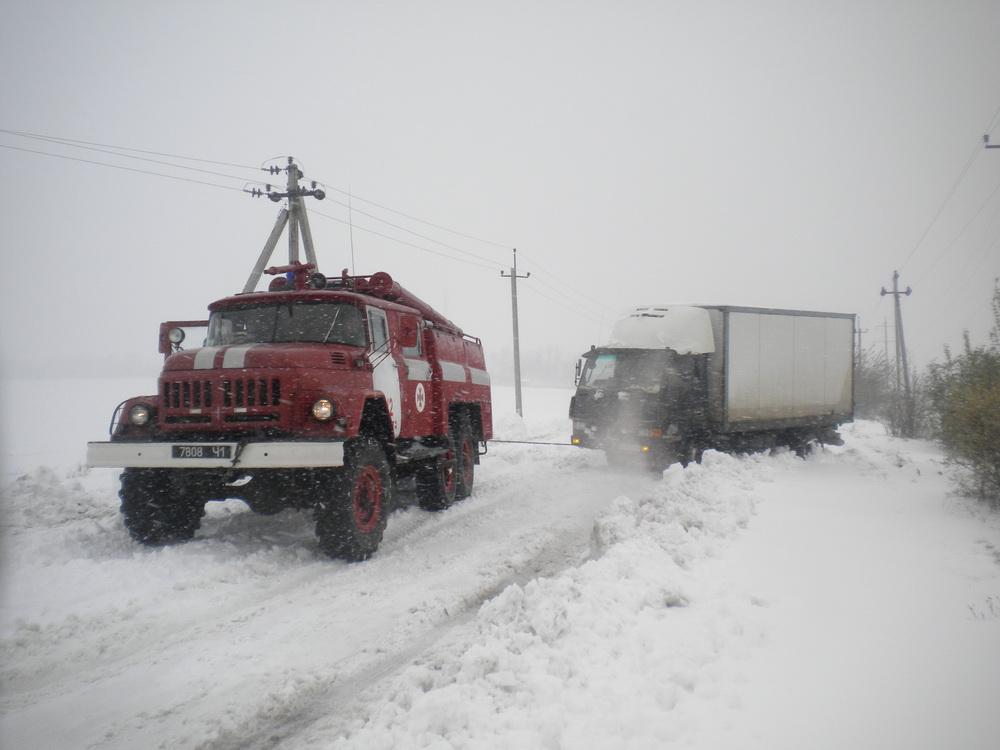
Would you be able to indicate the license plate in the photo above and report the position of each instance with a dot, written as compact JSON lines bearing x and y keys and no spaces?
{"x":201,"y":451}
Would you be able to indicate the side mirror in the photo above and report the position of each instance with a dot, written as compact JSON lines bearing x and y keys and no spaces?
{"x":579,"y":369}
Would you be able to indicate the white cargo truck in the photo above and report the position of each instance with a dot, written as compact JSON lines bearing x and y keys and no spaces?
{"x":676,"y":380}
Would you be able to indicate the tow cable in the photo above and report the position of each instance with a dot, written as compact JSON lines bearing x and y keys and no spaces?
{"x":529,"y":442}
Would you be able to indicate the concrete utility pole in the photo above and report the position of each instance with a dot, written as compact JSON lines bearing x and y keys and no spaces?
{"x":294,"y":217}
{"x":901,"y":354}
{"x":859,"y":330}
{"x":885,"y":335}
{"x":517,"y":344}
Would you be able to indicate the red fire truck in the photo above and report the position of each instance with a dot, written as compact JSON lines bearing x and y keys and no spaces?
{"x":318,"y":393}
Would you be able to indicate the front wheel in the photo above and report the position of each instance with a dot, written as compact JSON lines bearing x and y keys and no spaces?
{"x":351,"y":514}
{"x":158,"y":507}
{"x":691,"y":453}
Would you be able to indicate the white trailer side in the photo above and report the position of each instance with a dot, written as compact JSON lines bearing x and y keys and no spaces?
{"x":780,"y":368}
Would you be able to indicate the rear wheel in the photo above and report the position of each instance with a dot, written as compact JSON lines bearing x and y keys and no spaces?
{"x":437,"y":480}
{"x":800,"y":442}
{"x":158,"y":507}
{"x":351,"y":515}
{"x":465,"y":455}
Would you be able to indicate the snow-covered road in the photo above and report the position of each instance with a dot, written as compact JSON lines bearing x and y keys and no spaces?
{"x":842,"y":601}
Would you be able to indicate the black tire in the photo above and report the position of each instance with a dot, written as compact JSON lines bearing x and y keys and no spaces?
{"x":465,"y":455}
{"x":691,"y":453}
{"x":802,"y":448}
{"x":269,"y":495}
{"x":799,"y":442}
{"x":351,"y":514}
{"x":158,"y":507}
{"x":437,"y":480}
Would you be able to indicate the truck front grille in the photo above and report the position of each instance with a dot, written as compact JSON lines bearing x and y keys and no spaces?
{"x":251,"y":392}
{"x":187,"y":394}
{"x":229,"y":392}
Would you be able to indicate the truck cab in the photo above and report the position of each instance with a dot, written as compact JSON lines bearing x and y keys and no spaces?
{"x":637,"y":401}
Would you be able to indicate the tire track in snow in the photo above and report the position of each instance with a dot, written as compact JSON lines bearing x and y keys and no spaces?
{"x":339,"y":696}
{"x":551,"y":552}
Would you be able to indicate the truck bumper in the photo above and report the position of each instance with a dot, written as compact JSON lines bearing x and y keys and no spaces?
{"x":263,"y":455}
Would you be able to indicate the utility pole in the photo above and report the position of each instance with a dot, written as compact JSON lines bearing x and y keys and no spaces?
{"x":859,"y":330}
{"x":294,"y":217}
{"x":907,"y":426}
{"x":517,"y":345}
{"x":885,"y":336}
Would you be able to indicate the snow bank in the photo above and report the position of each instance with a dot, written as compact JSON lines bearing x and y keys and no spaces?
{"x":603,"y":655}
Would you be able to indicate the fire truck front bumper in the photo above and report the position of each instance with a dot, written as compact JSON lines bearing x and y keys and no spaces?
{"x":229,"y":455}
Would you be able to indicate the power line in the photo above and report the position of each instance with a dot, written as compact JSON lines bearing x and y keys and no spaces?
{"x":556,"y":302}
{"x":569,"y":302}
{"x":994,"y":121}
{"x":115,"y":150}
{"x":95,"y":146}
{"x":961,"y":176}
{"x":39,"y":136}
{"x":968,"y":164}
{"x":452,"y":247}
{"x":558,"y":278}
{"x":415,"y":234}
{"x":961,"y":232}
{"x":146,"y":159}
{"x":230,"y":187}
{"x":119,"y":166}
{"x":401,"y":242}
{"x":354,"y":196}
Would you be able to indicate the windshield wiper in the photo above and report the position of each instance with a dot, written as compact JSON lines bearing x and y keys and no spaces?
{"x":333,"y":322}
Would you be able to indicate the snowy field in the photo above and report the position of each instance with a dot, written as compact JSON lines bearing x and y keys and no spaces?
{"x":843,"y":601}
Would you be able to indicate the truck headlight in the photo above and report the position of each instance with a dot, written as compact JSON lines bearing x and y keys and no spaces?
{"x":323,"y":409}
{"x":139,"y":415}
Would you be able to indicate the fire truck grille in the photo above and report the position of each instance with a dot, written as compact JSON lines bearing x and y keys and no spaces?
{"x":229,"y":392}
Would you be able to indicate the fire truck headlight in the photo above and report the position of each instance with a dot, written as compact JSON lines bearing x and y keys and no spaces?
{"x":139,"y":415}
{"x":323,"y":410}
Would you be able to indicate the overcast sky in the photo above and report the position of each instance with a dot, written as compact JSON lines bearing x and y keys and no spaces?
{"x":779,"y":154}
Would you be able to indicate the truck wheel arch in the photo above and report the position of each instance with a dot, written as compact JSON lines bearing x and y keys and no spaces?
{"x":375,"y":421}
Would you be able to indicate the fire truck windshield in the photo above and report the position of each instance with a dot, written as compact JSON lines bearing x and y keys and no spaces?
{"x":317,"y":322}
